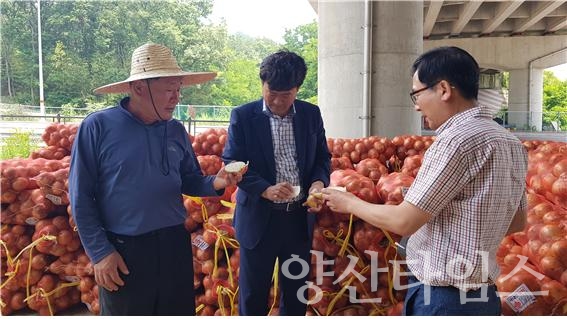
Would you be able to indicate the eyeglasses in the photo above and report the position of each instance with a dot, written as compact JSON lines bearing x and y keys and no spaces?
{"x":413,"y":96}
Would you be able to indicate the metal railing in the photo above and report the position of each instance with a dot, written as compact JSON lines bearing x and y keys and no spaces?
{"x":520,"y":121}
{"x":36,"y":124}
{"x":203,"y":112}
{"x":517,"y":121}
{"x":195,"y":127}
{"x":54,"y":118}
{"x":182,"y":111}
{"x":546,"y":121}
{"x":195,"y":118}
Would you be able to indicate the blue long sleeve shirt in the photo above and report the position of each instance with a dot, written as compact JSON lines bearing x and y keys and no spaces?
{"x":117,"y":181}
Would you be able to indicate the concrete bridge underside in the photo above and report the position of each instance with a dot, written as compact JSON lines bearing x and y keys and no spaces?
{"x":366,"y":49}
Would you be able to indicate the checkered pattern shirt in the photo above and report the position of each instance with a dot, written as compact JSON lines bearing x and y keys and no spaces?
{"x":472,"y":182}
{"x":285,"y":154}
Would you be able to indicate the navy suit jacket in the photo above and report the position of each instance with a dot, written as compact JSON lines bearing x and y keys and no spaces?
{"x":250,"y":139}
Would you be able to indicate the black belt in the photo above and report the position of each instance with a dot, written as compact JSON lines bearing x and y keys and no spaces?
{"x":286,"y":207}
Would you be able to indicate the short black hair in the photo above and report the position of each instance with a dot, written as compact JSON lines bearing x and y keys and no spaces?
{"x":451,"y":64}
{"x":283,"y":70}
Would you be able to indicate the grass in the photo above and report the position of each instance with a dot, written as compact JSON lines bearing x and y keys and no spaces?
{"x":18,"y":145}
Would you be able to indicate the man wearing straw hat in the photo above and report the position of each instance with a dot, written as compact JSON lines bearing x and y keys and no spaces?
{"x":130,"y":165}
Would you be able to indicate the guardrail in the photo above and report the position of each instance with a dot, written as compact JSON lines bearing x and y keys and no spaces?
{"x":515,"y":121}
{"x":42,"y":118}
{"x":546,"y":121}
{"x":195,"y":127}
{"x":36,"y":124}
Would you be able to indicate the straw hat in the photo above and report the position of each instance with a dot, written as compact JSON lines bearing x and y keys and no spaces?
{"x":154,"y":61}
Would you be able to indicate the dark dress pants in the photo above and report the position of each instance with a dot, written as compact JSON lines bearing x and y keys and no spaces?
{"x":286,"y":236}
{"x":161,"y":275}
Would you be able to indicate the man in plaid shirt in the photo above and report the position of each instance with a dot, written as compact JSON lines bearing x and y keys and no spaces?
{"x":469,"y":193}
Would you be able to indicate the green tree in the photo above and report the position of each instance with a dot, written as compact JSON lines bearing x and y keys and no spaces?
{"x":505,"y":80}
{"x":303,"y":40}
{"x":554,"y":100}
{"x":63,"y":66}
{"x":87,"y":44}
{"x":18,"y":64}
{"x":241,"y":46}
{"x":239,"y":81}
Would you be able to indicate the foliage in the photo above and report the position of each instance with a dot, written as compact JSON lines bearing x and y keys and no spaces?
{"x":554,"y":100}
{"x":241,"y":83}
{"x":242,"y":46}
{"x":303,"y":41}
{"x":86,"y":44}
{"x":505,"y":80}
{"x":72,"y":109}
{"x":20,"y":144}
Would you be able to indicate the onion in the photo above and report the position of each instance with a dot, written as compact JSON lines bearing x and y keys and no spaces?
{"x":235,"y":167}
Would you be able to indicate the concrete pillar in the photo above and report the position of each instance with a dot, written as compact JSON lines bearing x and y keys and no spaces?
{"x":518,"y":99}
{"x":397,"y":41}
{"x":525,"y":99}
{"x":536,"y":99}
{"x":340,"y":67}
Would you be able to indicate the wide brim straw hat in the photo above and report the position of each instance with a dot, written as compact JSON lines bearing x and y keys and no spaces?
{"x":154,"y":61}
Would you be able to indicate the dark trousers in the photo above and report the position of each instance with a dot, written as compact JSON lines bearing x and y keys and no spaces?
{"x":286,"y":236}
{"x":161,"y":275}
{"x":446,"y":301}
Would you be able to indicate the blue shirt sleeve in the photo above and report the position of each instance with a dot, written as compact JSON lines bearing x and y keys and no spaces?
{"x":83,"y":174}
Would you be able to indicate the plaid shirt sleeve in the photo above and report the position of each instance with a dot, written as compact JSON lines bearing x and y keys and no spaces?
{"x":523,"y":203}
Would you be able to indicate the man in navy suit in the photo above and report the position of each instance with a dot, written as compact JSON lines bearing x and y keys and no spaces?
{"x":283,"y":139}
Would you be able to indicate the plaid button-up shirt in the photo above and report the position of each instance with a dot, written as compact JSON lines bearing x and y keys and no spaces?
{"x":472,"y":182}
{"x":285,"y":154}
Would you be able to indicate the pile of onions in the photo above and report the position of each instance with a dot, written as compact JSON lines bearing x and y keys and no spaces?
{"x":64,"y":298}
{"x":89,"y":294}
{"x":18,"y":175}
{"x":60,"y":135}
{"x":342,"y":162}
{"x":16,"y":238}
{"x":210,"y":142}
{"x":411,"y":165}
{"x":355,"y":183}
{"x":51,"y":152}
{"x":360,"y":149}
{"x":210,"y":164}
{"x":13,"y":300}
{"x":72,"y":265}
{"x":67,"y":239}
{"x":391,"y":188}
{"x":54,"y":186}
{"x":371,"y":168}
{"x":547,"y":172}
{"x":409,"y":145}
